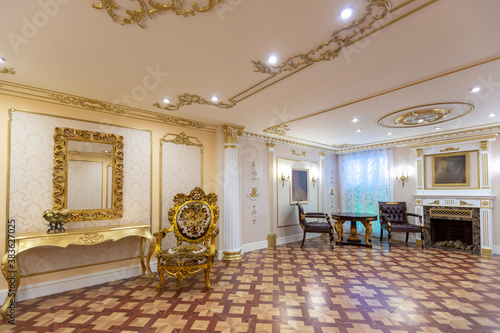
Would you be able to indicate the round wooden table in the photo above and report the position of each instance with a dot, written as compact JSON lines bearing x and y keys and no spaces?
{"x":365,"y":218}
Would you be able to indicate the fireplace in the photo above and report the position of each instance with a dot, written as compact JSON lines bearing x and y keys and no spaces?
{"x":452,"y":228}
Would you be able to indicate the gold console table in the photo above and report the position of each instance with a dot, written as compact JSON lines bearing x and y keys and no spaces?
{"x":80,"y":236}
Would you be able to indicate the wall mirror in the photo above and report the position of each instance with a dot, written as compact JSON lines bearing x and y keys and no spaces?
{"x":88,"y":174}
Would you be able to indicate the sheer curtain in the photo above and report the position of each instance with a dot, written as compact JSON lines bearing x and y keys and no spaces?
{"x":364,"y":181}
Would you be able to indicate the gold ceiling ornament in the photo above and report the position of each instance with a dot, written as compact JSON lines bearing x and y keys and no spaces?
{"x":426,"y":114}
{"x":277,"y":130}
{"x":6,"y":70}
{"x":448,"y":149}
{"x":138,"y":15}
{"x":232,"y":133}
{"x":422,"y":117}
{"x":329,"y":50}
{"x":188,"y":99}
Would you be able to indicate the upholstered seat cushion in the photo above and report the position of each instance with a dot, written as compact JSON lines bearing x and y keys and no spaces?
{"x":185,"y":255}
{"x":403,"y":227}
{"x":318,"y":227}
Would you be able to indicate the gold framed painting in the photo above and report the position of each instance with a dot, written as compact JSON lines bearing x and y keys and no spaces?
{"x":451,"y":169}
{"x":299,"y":190}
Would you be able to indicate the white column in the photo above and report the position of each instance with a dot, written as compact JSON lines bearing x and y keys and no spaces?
{"x":321,"y":176}
{"x":232,"y":230}
{"x":271,"y":167}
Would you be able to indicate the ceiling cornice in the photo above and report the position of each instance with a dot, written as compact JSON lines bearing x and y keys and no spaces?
{"x":54,"y":97}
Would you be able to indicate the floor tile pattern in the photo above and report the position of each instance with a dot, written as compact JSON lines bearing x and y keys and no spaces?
{"x":289,"y":289}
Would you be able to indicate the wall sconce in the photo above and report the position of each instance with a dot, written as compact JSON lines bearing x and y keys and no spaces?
{"x":403,"y":178}
{"x":284,"y":179}
{"x":314,"y":180}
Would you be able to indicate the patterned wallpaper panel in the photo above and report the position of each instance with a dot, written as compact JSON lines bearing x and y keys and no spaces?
{"x":181,"y":172}
{"x":31,"y":167}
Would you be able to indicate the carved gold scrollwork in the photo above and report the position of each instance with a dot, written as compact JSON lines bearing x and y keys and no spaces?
{"x":138,"y":15}
{"x":87,"y":103}
{"x":464,"y":203}
{"x":90,"y":239}
{"x":298,"y":155}
{"x":232,"y":133}
{"x":329,"y":50}
{"x":188,"y":99}
{"x":435,"y":202}
{"x":277,"y":130}
{"x":6,"y":70}
{"x":449,"y":149}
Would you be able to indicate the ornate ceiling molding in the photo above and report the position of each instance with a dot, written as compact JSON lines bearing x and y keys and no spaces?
{"x":144,"y":10}
{"x":427,"y":114}
{"x":43,"y":95}
{"x":188,"y":99}
{"x":329,"y":50}
{"x":271,"y":142}
{"x":7,"y":70}
{"x":281,"y":130}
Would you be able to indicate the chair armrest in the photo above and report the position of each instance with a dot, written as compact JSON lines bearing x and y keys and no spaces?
{"x":384,"y":217}
{"x":316,"y":215}
{"x":159,"y":235}
{"x":416,"y":215}
{"x":214,"y":234}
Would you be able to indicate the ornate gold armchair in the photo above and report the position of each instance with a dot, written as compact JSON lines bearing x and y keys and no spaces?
{"x":193,"y":220}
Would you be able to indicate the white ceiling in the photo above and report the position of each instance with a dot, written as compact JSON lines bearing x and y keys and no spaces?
{"x":435,"y":54}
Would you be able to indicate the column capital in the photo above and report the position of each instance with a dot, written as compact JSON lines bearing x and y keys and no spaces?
{"x":231,"y":135}
{"x":322,"y":154}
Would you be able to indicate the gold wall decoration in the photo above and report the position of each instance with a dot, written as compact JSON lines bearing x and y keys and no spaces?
{"x":419,"y":153}
{"x":277,"y":130}
{"x":232,"y":133}
{"x":464,"y":203}
{"x":435,"y":202}
{"x":182,"y":122}
{"x":484,"y":145}
{"x":254,"y":193}
{"x":298,"y":155}
{"x":88,"y":103}
{"x":7,"y":70}
{"x":271,"y":144}
{"x":329,"y":50}
{"x":254,"y":210}
{"x":183,"y":139}
{"x":142,"y":11}
{"x":62,"y":136}
{"x":188,"y":99}
{"x":253,"y":172}
{"x":448,"y":149}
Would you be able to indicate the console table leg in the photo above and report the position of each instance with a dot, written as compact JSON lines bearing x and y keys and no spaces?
{"x":143,"y":247}
{"x":10,"y":271}
{"x":148,"y":258}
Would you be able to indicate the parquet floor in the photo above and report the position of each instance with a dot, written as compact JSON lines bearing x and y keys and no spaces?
{"x":349,"y":289}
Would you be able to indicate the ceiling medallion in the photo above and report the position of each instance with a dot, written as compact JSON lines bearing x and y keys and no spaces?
{"x":421,"y":117}
{"x":188,"y":99}
{"x":329,"y":50}
{"x":428,"y":114}
{"x":6,"y":70}
{"x":139,"y":15}
{"x":277,"y":130}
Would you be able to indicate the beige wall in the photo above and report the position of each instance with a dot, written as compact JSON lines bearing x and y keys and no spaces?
{"x":158,"y":130}
{"x":495,"y":185}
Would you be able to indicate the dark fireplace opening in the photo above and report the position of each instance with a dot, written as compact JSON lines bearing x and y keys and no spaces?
{"x":450,"y":230}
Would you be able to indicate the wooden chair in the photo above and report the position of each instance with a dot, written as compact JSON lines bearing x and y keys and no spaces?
{"x":394,"y":218}
{"x":193,"y":221}
{"x":315,"y":227}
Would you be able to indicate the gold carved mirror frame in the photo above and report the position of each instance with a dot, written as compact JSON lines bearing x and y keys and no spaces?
{"x":62,"y":136}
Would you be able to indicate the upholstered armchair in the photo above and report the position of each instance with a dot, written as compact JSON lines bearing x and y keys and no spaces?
{"x":193,"y":220}
{"x":315,"y":227}
{"x":394,"y":218}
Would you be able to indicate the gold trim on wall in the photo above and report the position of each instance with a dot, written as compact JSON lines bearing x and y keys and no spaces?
{"x":7,"y":70}
{"x":177,"y":139}
{"x":60,"y":195}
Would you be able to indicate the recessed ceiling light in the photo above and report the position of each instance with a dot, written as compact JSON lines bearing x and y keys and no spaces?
{"x":491,"y":115}
{"x":355,"y":120}
{"x":420,"y":120}
{"x":437,"y":128}
{"x":166,"y":100}
{"x":389,"y":133}
{"x":2,"y":59}
{"x":272,"y":59}
{"x":215,"y":99}
{"x":346,"y":12}
{"x":358,"y":130}
{"x":475,"y":89}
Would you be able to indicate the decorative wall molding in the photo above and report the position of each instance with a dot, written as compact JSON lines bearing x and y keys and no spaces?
{"x":253,"y":172}
{"x":7,"y":70}
{"x":448,"y":149}
{"x":142,"y":11}
{"x":298,"y":155}
{"x":254,"y":193}
{"x":182,"y":139}
{"x":188,"y":99}
{"x":44,"y":95}
{"x":254,"y":210}
{"x":329,"y":50}
{"x":277,"y":130}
